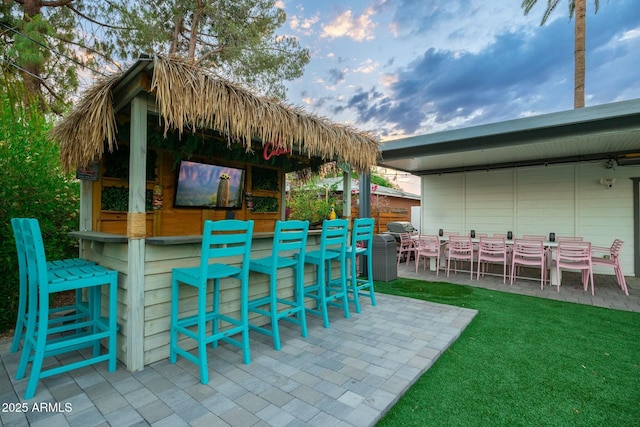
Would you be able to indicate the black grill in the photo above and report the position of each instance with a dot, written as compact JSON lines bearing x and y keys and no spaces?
{"x":400,"y":227}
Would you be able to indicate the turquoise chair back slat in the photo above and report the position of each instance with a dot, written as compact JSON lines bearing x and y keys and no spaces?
{"x":290,"y":236}
{"x":334,"y":235}
{"x":21,"y":320}
{"x":226,"y":238}
{"x":20,"y":249}
{"x":34,"y":251}
{"x":362,"y":232}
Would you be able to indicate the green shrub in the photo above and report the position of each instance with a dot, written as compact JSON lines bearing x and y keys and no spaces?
{"x":265,"y":204}
{"x":31,"y":185}
{"x":313,"y":202}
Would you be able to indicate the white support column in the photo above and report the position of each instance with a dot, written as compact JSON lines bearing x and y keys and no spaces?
{"x":136,"y":253}
{"x":283,"y":196}
{"x":86,"y":209}
{"x":365,"y":195}
{"x":86,"y":205}
{"x":346,"y":195}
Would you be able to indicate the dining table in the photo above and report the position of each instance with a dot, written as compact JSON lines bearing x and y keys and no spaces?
{"x":554,"y":279}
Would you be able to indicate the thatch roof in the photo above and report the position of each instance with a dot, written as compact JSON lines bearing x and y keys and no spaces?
{"x":189,"y":98}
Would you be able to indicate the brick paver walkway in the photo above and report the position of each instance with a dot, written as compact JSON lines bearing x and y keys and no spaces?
{"x":347,"y":375}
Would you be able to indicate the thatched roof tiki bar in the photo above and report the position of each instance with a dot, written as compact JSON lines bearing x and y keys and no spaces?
{"x":166,"y":145}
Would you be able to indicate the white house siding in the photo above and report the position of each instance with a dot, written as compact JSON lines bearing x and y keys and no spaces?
{"x":445,"y":203}
{"x":482,"y":187}
{"x":566,"y":199}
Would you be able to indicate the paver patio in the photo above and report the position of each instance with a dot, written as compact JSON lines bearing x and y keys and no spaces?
{"x":347,"y":375}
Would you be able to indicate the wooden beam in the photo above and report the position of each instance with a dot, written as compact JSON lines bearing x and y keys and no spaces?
{"x":129,"y":89}
{"x":346,"y":195}
{"x":136,"y":253}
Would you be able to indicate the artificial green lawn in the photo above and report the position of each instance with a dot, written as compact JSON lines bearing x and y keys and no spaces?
{"x":525,"y":361}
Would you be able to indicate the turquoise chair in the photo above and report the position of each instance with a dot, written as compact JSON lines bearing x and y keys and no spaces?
{"x":361,"y":244}
{"x":289,"y":246}
{"x":68,"y":313}
{"x":327,"y":290}
{"x":221,"y":239}
{"x":44,"y":338}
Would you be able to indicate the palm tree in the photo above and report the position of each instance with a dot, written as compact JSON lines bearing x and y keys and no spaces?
{"x":579,"y":8}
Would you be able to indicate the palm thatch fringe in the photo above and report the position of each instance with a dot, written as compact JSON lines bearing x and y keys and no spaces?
{"x":84,"y":131}
{"x":189,"y":98}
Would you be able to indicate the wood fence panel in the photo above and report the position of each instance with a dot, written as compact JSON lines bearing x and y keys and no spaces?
{"x":384,"y":215}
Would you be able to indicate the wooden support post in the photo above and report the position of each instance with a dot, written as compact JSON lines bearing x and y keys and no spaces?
{"x":136,"y":254}
{"x":346,"y":195}
{"x":365,"y":206}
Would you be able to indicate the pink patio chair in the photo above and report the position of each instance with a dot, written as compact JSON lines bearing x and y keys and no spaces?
{"x":509,"y":248}
{"x":428,"y":246}
{"x":529,"y":253}
{"x":406,"y":247}
{"x":492,"y":251}
{"x":610,"y":257}
{"x":459,"y":249}
{"x":547,"y":251}
{"x":575,"y":256}
{"x":446,"y":236}
{"x":475,"y":244}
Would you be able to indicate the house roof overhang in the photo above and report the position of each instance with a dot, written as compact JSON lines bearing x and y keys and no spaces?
{"x":603,"y":132}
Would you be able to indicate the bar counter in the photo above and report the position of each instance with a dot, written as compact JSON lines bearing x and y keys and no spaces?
{"x":146,"y":340}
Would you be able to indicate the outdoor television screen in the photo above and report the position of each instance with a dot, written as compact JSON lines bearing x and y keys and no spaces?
{"x":202,"y":185}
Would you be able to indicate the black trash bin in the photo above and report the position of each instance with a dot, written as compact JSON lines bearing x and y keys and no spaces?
{"x":384,"y":257}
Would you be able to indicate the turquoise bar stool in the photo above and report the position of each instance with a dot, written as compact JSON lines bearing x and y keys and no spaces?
{"x":289,"y":246}
{"x":44,"y":339}
{"x":66,"y":314}
{"x":327,"y":290}
{"x":221,"y":239}
{"x":361,"y":244}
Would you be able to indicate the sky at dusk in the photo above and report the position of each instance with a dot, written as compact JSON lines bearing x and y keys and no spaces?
{"x":408,"y":67}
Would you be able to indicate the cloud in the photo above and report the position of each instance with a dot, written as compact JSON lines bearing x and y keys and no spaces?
{"x":463,"y":62}
{"x":367,"y":67}
{"x":630,"y":35}
{"x":335,"y":76}
{"x":458,"y":25}
{"x":358,"y":28}
{"x":442,"y":87}
{"x":517,"y":74}
{"x":304,"y":26}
